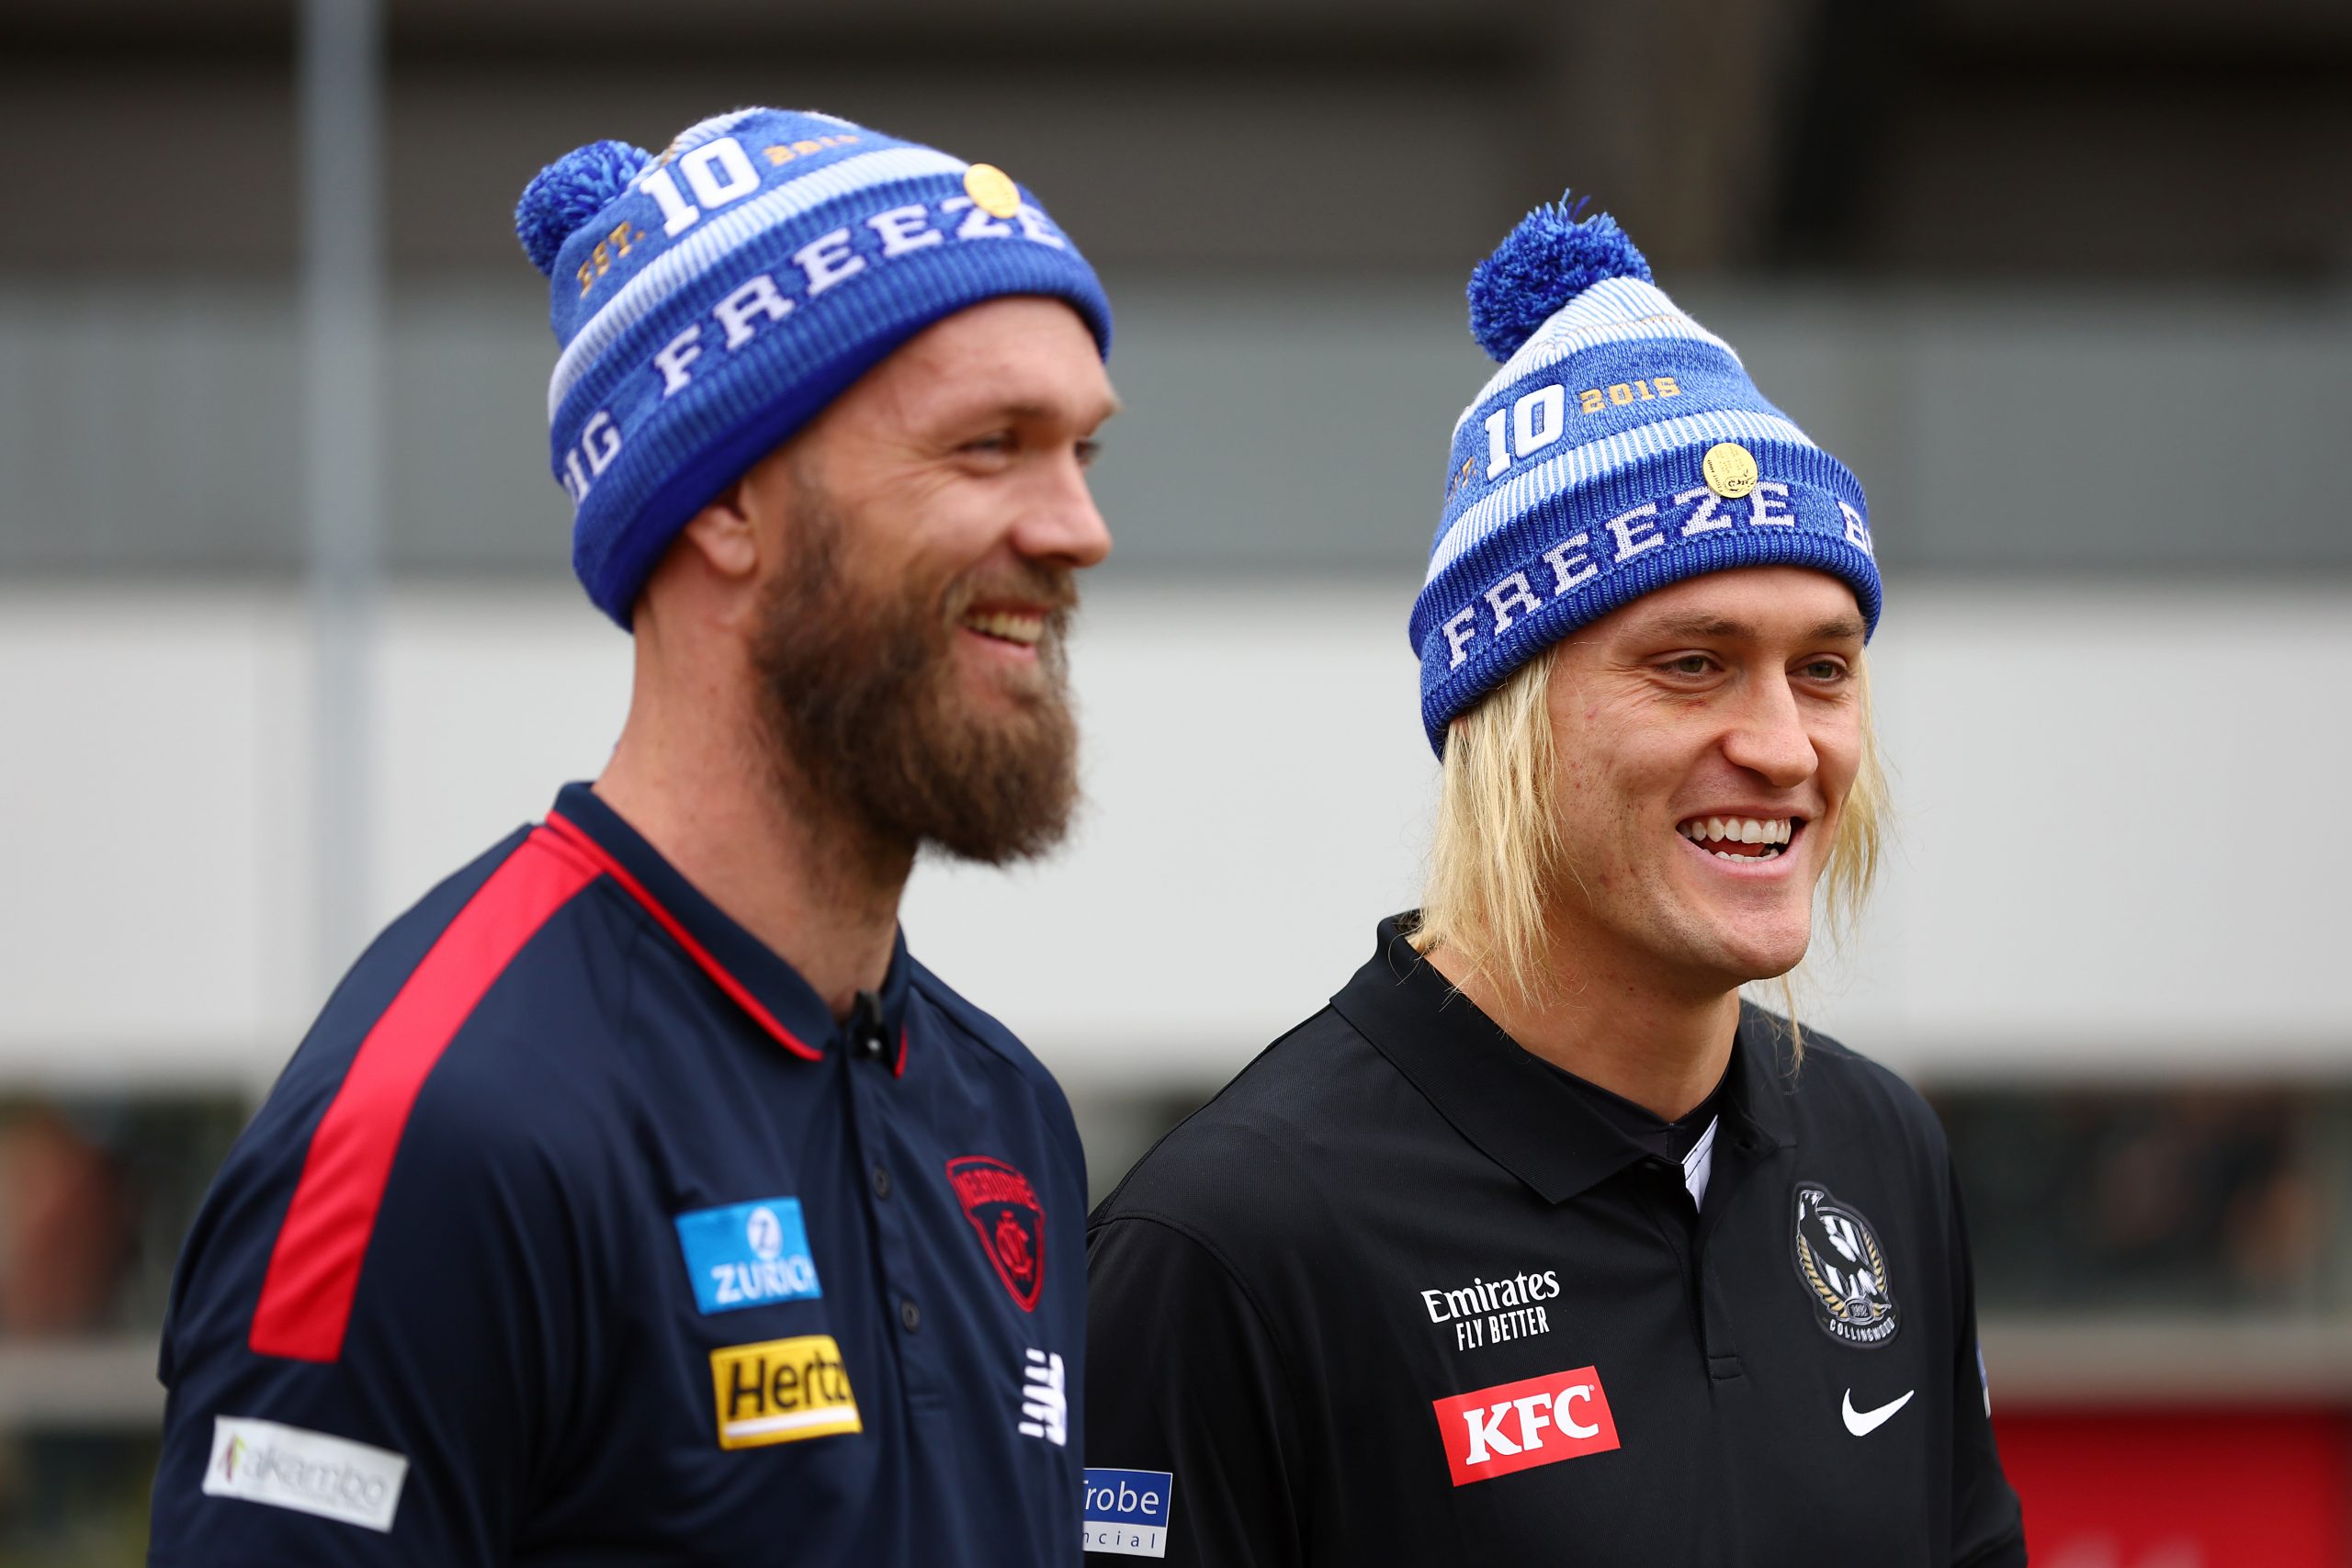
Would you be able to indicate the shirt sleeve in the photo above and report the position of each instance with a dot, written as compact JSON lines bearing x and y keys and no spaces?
{"x":1185,"y":1379}
{"x":1988,"y":1532}
{"x":418,"y":1436}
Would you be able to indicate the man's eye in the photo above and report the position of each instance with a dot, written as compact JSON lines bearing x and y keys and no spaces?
{"x":1690,"y":664}
{"x":1826,"y":669}
{"x":999,"y":442}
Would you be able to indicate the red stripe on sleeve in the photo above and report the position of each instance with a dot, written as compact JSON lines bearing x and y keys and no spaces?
{"x":726,"y":982}
{"x":314,"y":1269}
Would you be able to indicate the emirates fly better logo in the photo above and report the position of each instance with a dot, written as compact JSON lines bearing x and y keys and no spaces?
{"x":1517,"y":1425}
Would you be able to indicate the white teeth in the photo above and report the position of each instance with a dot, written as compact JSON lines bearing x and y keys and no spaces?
{"x":1023,"y":629}
{"x":1772,"y":831}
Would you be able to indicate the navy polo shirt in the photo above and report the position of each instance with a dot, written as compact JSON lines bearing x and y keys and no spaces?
{"x":578,"y":1231}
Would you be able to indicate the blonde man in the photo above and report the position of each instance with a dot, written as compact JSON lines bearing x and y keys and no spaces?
{"x":1538,"y":1245}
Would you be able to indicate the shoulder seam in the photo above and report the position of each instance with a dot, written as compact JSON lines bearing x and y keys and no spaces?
{"x":1197,"y":1110}
{"x":950,"y":1004}
{"x":1217,"y":1255}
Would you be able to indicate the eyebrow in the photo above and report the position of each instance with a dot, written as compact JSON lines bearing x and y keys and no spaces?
{"x":1838,"y":628}
{"x":1032,"y":410}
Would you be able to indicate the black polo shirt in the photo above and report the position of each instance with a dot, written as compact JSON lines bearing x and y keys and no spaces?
{"x":1403,"y":1294}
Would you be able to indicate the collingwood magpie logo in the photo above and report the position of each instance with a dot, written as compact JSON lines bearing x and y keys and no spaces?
{"x":1839,"y":1258}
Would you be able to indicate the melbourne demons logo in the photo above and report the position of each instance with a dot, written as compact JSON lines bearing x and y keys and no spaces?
{"x":1837,"y":1257}
{"x":1011,"y":1222}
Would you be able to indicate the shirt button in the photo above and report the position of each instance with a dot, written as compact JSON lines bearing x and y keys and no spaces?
{"x":910,"y":1315}
{"x":881,"y":1181}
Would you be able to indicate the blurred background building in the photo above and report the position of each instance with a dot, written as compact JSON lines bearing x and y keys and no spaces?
{"x":2067,"y":282}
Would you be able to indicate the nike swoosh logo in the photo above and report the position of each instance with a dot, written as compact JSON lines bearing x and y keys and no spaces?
{"x":1862,"y":1423}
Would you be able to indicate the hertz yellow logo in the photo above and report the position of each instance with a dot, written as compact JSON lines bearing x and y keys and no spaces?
{"x":781,"y":1391}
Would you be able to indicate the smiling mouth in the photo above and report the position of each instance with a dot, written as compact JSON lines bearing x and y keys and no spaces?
{"x":1742,"y":838}
{"x":1023,"y":628}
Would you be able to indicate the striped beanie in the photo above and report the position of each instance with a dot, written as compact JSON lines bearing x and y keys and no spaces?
{"x":1620,"y":448}
{"x":711,"y":300}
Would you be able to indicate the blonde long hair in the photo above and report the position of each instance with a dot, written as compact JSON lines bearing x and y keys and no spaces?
{"x":1495,"y":861}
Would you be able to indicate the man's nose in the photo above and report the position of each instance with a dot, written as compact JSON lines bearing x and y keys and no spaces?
{"x":1769,"y":739}
{"x":1065,"y":525}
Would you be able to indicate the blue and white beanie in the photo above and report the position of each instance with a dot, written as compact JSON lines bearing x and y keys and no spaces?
{"x":1621,"y":447}
{"x":711,"y":300}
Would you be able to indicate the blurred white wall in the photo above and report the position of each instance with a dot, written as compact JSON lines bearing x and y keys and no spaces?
{"x":2112,"y":858}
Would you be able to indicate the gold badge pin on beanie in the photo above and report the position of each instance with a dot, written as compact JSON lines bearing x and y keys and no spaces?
{"x":1621,"y":446}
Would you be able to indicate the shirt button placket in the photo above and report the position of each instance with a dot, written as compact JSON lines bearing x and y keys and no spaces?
{"x":869,"y":1044}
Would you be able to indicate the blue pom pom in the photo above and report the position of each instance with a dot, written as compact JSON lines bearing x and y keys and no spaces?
{"x":1554,"y":255}
{"x":568,"y":192}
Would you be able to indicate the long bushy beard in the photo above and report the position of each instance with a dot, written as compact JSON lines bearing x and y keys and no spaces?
{"x":863,"y":707}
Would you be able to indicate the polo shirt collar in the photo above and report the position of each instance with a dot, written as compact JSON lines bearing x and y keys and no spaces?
{"x":768,"y":990}
{"x":1499,"y":1096}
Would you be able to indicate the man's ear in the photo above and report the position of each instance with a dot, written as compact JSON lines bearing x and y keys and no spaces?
{"x":725,"y":535}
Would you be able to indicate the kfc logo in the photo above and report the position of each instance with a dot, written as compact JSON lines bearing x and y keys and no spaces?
{"x":1517,"y":1425}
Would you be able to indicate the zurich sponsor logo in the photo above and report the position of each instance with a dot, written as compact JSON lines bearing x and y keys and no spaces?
{"x":748,"y":1255}
{"x":1126,"y":1511}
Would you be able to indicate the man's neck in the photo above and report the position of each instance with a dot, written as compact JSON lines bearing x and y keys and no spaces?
{"x":700,"y":784}
{"x":1641,"y":1038}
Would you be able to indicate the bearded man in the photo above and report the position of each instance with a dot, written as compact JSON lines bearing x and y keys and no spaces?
{"x":637,"y":1198}
{"x":1537,"y":1246}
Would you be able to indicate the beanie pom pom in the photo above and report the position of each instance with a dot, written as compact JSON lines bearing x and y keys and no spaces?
{"x":1554,"y":255}
{"x":568,"y":192}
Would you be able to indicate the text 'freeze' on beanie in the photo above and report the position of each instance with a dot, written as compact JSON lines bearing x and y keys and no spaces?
{"x":1621,"y":447}
{"x":711,"y":300}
